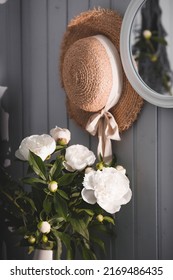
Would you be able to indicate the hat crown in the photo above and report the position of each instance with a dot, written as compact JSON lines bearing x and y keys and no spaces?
{"x":87,"y":74}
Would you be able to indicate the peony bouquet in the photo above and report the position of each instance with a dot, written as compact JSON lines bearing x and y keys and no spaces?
{"x":70,"y":201}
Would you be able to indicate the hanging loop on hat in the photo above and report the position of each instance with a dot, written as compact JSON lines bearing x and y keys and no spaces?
{"x":105,"y":126}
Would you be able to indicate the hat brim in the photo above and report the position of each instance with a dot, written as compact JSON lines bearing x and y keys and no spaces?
{"x":108,"y":23}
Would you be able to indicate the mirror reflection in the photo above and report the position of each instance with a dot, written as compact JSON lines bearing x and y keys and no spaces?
{"x":151,"y":42}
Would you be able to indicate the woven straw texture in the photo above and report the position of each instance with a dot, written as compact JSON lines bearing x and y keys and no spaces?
{"x":89,"y":23}
{"x":85,"y":82}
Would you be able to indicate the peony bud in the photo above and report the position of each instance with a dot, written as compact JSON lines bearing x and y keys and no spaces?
{"x":100,"y":166}
{"x":154,"y":58}
{"x":52,"y":186}
{"x":44,"y":238}
{"x":31,"y":239}
{"x":44,"y":227}
{"x":61,"y":135}
{"x":100,"y":218}
{"x":147,"y":34}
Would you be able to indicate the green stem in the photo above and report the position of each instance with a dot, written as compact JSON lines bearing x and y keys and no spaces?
{"x":151,"y":46}
{"x":12,"y":200}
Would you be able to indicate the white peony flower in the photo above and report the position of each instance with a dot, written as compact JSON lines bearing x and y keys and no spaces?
{"x":78,"y":157}
{"x":61,"y":135}
{"x":44,"y":227}
{"x":109,"y":188}
{"x":41,"y":145}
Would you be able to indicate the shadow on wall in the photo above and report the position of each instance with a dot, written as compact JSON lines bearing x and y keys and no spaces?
{"x":4,"y":154}
{"x":4,"y":131}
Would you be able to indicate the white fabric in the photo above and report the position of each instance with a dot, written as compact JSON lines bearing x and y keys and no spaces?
{"x":3,"y":1}
{"x":104,"y":123}
{"x":2,"y":90}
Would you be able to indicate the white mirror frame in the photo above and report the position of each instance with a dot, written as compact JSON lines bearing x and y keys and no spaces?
{"x":137,"y":83}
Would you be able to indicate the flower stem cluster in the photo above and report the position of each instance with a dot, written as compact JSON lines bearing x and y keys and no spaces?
{"x":70,"y":202}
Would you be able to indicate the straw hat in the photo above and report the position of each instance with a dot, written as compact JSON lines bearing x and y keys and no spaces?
{"x":92,"y":75}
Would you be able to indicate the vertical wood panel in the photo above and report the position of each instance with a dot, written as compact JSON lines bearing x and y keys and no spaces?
{"x":10,"y":73}
{"x":56,"y":95}
{"x":124,"y":243}
{"x":10,"y":67}
{"x":120,"y":6}
{"x":165,"y":183}
{"x":3,"y":45}
{"x":146,"y":185}
{"x":34,"y":45}
{"x":100,"y":3}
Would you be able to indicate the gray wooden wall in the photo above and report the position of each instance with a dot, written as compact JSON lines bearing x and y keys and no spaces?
{"x":30,"y":35}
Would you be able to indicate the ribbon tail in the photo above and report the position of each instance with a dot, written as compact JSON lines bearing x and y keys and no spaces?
{"x":104,"y":145}
{"x":108,"y":151}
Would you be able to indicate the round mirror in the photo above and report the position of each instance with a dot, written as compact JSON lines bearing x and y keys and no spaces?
{"x":146,"y":46}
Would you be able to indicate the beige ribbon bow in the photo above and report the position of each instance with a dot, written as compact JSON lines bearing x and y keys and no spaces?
{"x":105,"y":126}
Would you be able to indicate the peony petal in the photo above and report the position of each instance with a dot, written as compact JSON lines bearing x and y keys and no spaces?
{"x":88,"y":196}
{"x":68,"y":167}
{"x":127,"y":197}
{"x":121,"y":169}
{"x":19,"y":155}
{"x":88,"y":181}
{"x":111,"y":208}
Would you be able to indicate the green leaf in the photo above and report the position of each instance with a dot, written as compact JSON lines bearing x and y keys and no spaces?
{"x":109,"y":219}
{"x":63,"y":194}
{"x":88,"y":254}
{"x":55,"y":169}
{"x":31,"y":202}
{"x":66,"y":239}
{"x":100,"y":228}
{"x":56,"y":220}
{"x":47,"y":205}
{"x":80,"y":226}
{"x":160,"y":40}
{"x":30,"y":181}
{"x":60,"y":206}
{"x":30,"y":249}
{"x":88,"y":211}
{"x":37,"y":165}
{"x":99,"y":242}
{"x":60,"y":147}
{"x":59,"y":245}
{"x":66,"y":179}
